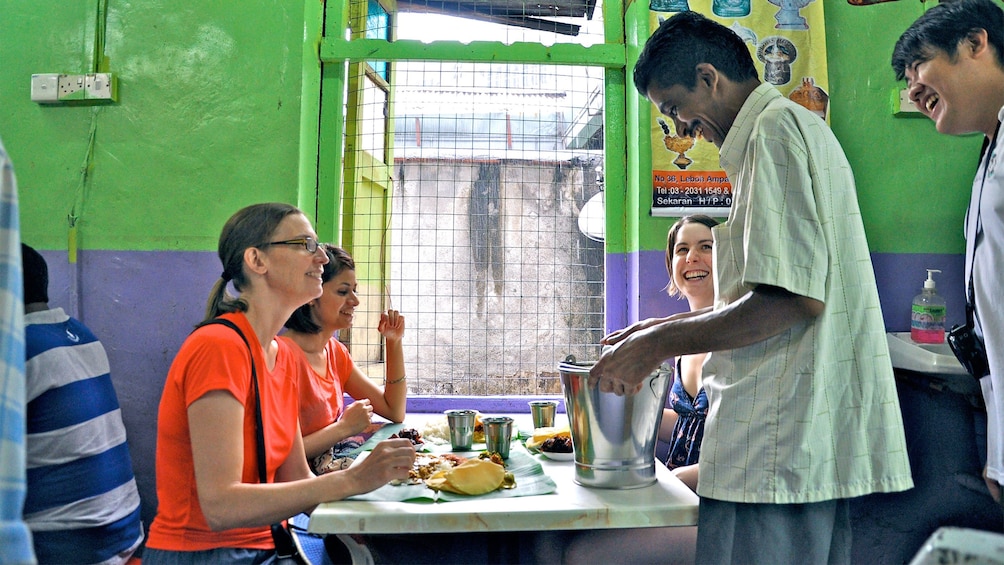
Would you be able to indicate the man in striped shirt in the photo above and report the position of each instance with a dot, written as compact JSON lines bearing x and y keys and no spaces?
{"x":82,"y":504}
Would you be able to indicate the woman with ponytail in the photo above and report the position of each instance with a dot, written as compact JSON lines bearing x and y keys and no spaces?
{"x":212,"y":508}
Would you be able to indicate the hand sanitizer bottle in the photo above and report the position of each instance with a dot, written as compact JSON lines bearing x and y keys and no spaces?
{"x":927,"y":322}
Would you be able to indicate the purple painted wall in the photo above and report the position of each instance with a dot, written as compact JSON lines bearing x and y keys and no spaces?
{"x":635,"y":283}
{"x":899,"y":277}
{"x":143,"y":304}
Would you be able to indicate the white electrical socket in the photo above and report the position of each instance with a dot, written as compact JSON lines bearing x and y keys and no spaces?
{"x":53,"y":88}
{"x":45,"y":88}
{"x":905,"y":104}
{"x":71,"y":87}
{"x":99,"y":86}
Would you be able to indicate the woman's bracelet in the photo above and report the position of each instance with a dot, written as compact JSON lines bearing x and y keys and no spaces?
{"x":395,"y":381}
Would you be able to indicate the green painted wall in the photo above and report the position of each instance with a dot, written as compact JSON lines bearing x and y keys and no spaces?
{"x":913,"y":183}
{"x":208,"y":117}
{"x":218,"y":109}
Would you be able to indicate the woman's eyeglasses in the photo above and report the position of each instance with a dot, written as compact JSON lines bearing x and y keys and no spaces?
{"x":308,"y":243}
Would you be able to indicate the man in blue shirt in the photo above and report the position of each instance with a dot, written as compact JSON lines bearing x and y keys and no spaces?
{"x":82,"y":504}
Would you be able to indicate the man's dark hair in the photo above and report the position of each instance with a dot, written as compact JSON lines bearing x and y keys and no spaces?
{"x":943,"y":27}
{"x":682,"y":42}
{"x":36,"y":275}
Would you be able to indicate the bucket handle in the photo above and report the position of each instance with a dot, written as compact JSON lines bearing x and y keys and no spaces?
{"x":570,"y":359}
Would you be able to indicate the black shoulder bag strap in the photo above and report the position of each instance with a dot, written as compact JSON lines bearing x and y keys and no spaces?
{"x":284,"y":547}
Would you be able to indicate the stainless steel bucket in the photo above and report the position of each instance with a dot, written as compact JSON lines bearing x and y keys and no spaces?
{"x":613,"y":436}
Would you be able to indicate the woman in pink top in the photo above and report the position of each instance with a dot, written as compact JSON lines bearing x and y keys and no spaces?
{"x":327,"y":368}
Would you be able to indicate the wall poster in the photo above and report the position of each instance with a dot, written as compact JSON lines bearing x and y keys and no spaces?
{"x":787,"y":39}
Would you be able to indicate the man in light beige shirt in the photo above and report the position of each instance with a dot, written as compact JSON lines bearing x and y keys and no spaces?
{"x":803,"y":410}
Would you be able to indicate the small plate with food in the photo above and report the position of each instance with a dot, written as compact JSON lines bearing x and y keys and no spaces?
{"x":558,"y":455}
{"x":411,"y":434}
{"x":557,"y":448}
{"x":541,"y":435}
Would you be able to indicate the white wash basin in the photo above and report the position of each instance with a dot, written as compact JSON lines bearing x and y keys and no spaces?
{"x":930,"y":358}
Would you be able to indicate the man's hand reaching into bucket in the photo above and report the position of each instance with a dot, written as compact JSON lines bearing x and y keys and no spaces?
{"x":615,"y":337}
{"x":631,"y":358}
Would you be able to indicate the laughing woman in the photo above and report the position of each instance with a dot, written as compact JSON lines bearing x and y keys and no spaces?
{"x":689,"y":255}
{"x":328,"y":368}
{"x":212,"y":507}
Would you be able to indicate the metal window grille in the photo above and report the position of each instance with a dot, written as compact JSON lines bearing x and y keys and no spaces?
{"x":488,"y":256}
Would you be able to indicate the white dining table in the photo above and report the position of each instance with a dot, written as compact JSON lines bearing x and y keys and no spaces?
{"x":667,"y":502}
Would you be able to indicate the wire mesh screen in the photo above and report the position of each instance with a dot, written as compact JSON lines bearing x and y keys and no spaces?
{"x":492,"y":250}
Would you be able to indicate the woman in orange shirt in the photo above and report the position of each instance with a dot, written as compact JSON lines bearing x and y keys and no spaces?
{"x":211,"y":506}
{"x":328,"y":370}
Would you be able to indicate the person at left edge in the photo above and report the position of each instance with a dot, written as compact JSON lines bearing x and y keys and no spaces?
{"x":15,"y":537}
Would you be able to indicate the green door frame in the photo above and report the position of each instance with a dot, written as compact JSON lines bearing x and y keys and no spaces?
{"x":336,"y":52}
{"x":623,"y":207}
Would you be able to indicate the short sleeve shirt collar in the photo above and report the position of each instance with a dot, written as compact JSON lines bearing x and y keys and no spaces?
{"x":734,"y":147}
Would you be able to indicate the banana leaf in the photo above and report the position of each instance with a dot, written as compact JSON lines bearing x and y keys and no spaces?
{"x":530,"y":477}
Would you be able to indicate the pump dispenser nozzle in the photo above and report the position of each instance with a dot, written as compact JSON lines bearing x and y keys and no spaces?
{"x":929,"y":283}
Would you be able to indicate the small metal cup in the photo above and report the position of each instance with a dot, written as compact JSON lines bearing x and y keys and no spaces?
{"x":461,"y":429}
{"x":543,"y":412}
{"x":498,"y":435}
